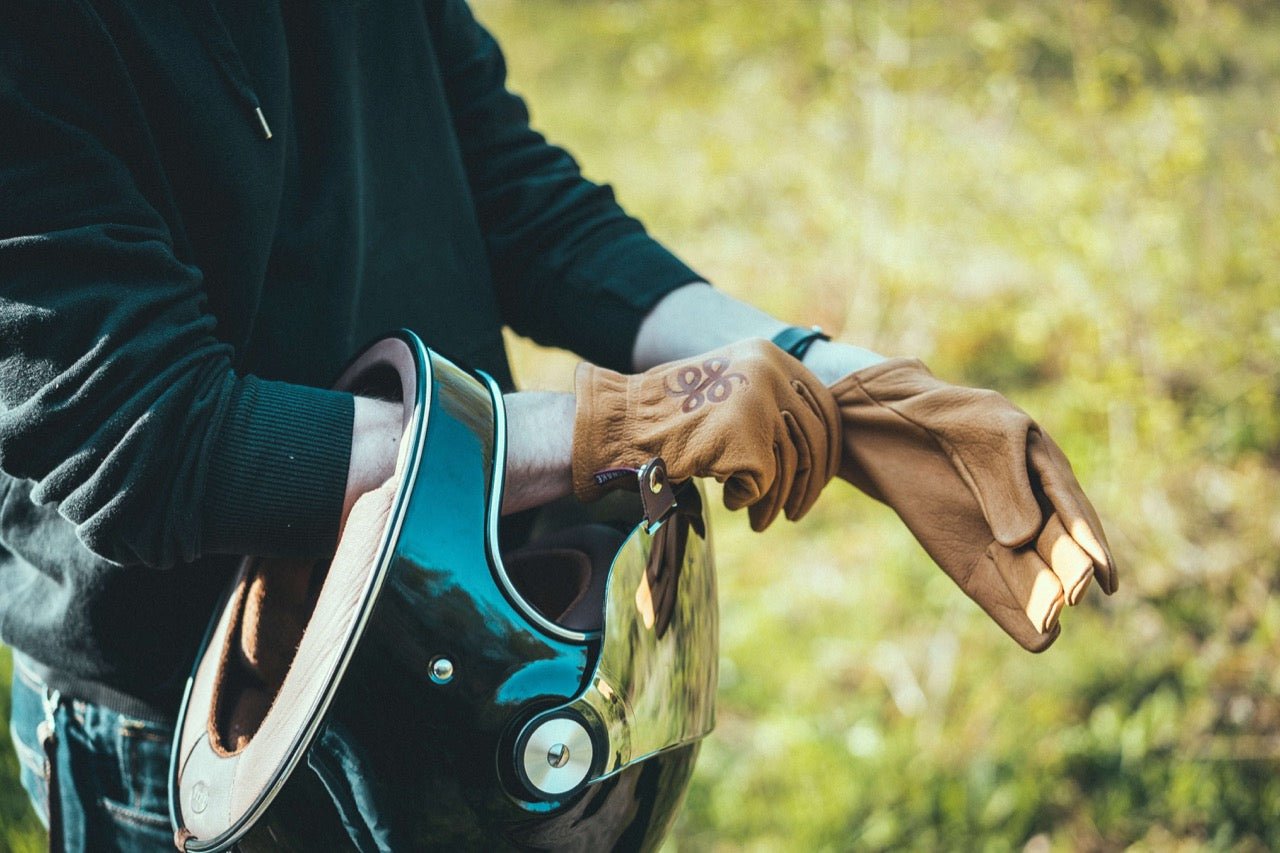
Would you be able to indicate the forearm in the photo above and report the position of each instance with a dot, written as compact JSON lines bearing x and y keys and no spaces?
{"x":694,"y":319}
{"x":539,"y":449}
{"x":691,"y":320}
{"x":539,"y":442}
{"x":697,"y":318}
{"x":375,"y":443}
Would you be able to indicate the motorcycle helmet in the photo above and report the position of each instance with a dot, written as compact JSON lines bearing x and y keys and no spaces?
{"x":449,"y":692}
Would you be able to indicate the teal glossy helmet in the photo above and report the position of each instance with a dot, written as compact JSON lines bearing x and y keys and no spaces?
{"x":455,"y":691}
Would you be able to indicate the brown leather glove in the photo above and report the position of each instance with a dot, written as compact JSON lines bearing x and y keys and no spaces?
{"x":984,"y":489}
{"x":747,"y":414}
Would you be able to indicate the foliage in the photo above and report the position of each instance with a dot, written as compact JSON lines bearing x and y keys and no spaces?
{"x":1074,"y":203}
{"x":20,"y":831}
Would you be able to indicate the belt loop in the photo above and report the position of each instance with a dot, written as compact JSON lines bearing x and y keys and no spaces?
{"x":47,"y":734}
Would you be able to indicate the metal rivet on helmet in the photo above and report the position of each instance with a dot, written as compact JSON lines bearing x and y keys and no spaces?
{"x":442,"y":670}
{"x":556,"y":756}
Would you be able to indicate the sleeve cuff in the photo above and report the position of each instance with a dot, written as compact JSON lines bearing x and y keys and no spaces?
{"x":630,"y":275}
{"x":278,"y":473}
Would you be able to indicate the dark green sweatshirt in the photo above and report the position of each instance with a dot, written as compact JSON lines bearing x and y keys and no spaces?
{"x":206,"y":206}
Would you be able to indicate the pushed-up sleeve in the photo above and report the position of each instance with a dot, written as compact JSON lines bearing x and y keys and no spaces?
{"x":117,"y":400}
{"x":572,"y":268}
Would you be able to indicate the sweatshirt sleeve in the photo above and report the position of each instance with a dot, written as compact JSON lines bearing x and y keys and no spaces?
{"x":116,"y":398}
{"x":572,"y":268}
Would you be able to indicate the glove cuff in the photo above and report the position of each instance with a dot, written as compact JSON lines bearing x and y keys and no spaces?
{"x":600,"y":423}
{"x":904,"y":377}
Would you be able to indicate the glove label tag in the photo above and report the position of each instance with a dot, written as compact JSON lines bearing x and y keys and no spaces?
{"x":608,"y":475}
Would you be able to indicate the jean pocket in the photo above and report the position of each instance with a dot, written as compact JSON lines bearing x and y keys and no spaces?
{"x":32,"y":776}
{"x":26,"y":713}
{"x":144,"y":748}
{"x":130,"y":777}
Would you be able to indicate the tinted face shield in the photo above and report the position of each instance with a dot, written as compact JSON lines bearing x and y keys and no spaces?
{"x":649,"y":690}
{"x":454,"y":694}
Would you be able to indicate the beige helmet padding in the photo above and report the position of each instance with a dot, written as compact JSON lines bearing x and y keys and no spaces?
{"x":276,"y":651}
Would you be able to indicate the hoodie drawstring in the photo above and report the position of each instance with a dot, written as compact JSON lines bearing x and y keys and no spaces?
{"x":217,"y":40}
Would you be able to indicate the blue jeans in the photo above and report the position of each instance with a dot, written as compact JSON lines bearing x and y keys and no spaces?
{"x":112,"y":770}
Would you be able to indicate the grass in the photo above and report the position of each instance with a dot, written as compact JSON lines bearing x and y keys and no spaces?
{"x":1073,"y":203}
{"x":20,"y":830}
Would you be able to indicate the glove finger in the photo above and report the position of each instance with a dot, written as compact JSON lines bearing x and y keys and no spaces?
{"x":784,"y":485}
{"x":999,"y":479}
{"x":1033,"y":585}
{"x":986,"y":586}
{"x":985,"y":438}
{"x":741,"y":490}
{"x":815,"y":429}
{"x":1106,"y":572}
{"x":1067,"y":497}
{"x":763,"y":512}
{"x":748,"y":480}
{"x":1068,"y":560}
{"x":802,"y":496}
{"x":823,"y":405}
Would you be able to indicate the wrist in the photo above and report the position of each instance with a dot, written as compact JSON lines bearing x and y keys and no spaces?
{"x":375,"y":443}
{"x":539,"y":448}
{"x":831,"y":361}
{"x":695,"y":319}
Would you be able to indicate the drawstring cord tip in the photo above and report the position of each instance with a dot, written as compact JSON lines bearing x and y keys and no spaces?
{"x":262,"y":120}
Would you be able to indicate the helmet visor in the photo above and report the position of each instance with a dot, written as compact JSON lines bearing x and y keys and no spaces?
{"x":654,"y":686}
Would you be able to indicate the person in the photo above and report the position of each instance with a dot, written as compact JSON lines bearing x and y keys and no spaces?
{"x":207,"y":207}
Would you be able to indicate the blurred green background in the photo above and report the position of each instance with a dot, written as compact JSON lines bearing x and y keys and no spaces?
{"x":1077,"y":204}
